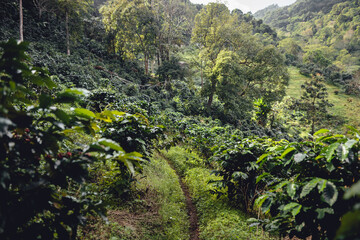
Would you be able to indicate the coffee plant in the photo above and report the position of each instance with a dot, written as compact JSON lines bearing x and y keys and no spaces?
{"x":307,"y":182}
{"x":42,"y":180}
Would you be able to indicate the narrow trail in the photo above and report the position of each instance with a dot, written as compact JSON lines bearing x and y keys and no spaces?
{"x":190,"y":206}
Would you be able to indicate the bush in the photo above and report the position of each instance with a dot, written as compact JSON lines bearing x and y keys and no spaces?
{"x":307,"y":181}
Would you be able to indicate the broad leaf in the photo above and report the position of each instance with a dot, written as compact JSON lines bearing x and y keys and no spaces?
{"x":322,"y":185}
{"x":63,"y":116}
{"x":260,"y":200}
{"x":330,"y":151}
{"x":350,"y":226}
{"x":321,"y":131}
{"x":111,"y":144}
{"x":84,"y":113}
{"x":346,"y":147}
{"x":299,"y":157}
{"x":291,"y":190}
{"x":330,"y":193}
{"x":321,"y":212}
{"x":262,"y":157}
{"x":287,"y":151}
{"x":294,"y":207}
{"x":280,"y":185}
{"x":45,"y":101}
{"x":309,"y":187}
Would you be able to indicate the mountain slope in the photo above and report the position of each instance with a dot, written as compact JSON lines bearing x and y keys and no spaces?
{"x":301,"y":10}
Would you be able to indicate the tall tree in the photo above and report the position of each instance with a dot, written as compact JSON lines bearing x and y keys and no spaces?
{"x":237,"y":65}
{"x":211,"y":25}
{"x":72,"y":9}
{"x":314,"y":101}
{"x":44,"y":5}
{"x":134,"y":27}
{"x":175,"y":18}
{"x":21,"y":21}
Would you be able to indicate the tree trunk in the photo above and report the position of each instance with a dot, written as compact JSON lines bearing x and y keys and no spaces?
{"x":313,"y":126}
{"x":21,"y":21}
{"x":67,"y":34}
{"x":146,"y":64}
{"x":202,"y":77}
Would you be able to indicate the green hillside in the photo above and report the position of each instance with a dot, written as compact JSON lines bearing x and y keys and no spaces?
{"x":164,"y":119}
{"x":330,"y":28}
{"x":345,"y":107}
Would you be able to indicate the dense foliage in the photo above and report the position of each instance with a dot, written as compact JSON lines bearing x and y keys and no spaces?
{"x":320,"y":37}
{"x":108,"y":82}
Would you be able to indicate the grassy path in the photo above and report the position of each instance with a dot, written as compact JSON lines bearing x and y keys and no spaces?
{"x":217,"y":219}
{"x":190,"y":206}
{"x":345,"y":106}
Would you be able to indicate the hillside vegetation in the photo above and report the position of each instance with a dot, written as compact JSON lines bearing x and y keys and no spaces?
{"x":164,"y":119}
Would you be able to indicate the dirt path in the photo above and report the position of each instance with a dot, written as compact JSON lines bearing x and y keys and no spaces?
{"x":190,"y":206}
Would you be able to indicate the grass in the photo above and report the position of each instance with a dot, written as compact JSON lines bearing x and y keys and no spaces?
{"x":217,"y":219}
{"x":157,"y":211}
{"x":162,"y":179}
{"x":345,"y":107}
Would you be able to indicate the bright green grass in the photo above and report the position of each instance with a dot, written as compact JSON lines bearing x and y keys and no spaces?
{"x":217,"y":219}
{"x":345,"y":106}
{"x":162,"y":179}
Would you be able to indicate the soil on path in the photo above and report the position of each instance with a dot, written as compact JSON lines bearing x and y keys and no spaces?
{"x":190,"y":206}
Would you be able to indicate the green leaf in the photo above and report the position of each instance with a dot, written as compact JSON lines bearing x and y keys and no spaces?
{"x":309,"y":187}
{"x":63,"y":116}
{"x":49,"y":82}
{"x":291,"y":190}
{"x":135,"y":156}
{"x":299,"y":157}
{"x":353,"y":191}
{"x":237,"y":175}
{"x":262,"y":157}
{"x":330,"y":150}
{"x":280,"y":185}
{"x":322,"y":185}
{"x":330,"y":167}
{"x":287,"y":151}
{"x":78,"y":91}
{"x":294,"y":207}
{"x":130,"y":166}
{"x":84,"y":113}
{"x":330,"y":193}
{"x":296,"y":210}
{"x":321,"y":212}
{"x":259,"y":178}
{"x":347,"y":146}
{"x":260,"y":200}
{"x":111,"y":144}
{"x":45,"y":101}
{"x":321,"y":131}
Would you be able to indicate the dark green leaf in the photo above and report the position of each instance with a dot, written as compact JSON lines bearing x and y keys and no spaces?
{"x":45,"y":101}
{"x":321,"y":212}
{"x":309,"y":187}
{"x":330,"y":193}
